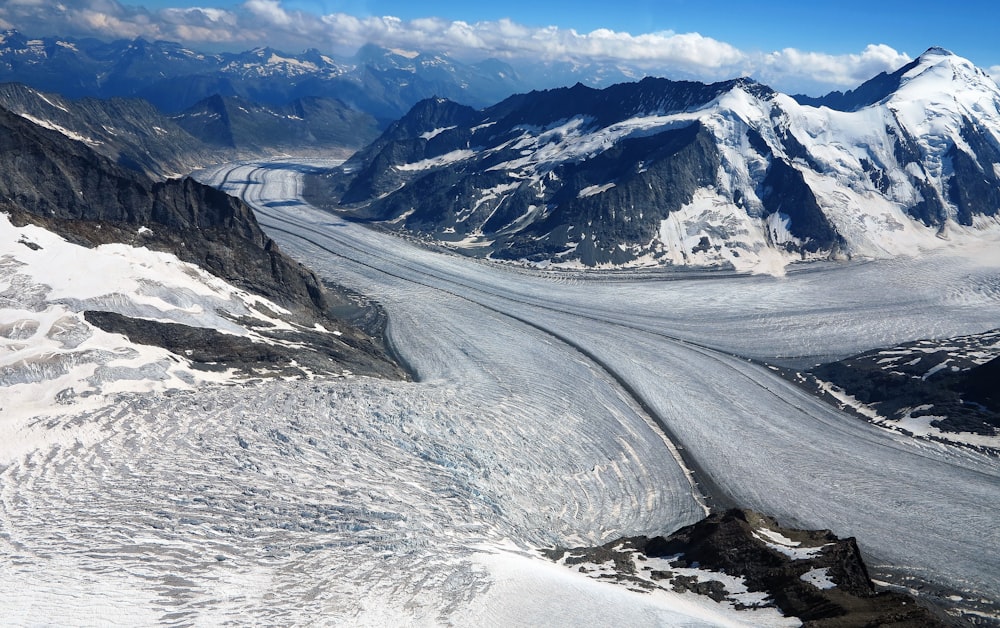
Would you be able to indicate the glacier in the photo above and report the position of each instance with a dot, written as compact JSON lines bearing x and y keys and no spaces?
{"x":551,"y":407}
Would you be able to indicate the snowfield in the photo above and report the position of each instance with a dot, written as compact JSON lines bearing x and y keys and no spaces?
{"x":551,"y":408}
{"x":52,"y":358}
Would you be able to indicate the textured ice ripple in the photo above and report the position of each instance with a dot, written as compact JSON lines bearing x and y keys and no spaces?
{"x":286,"y":502}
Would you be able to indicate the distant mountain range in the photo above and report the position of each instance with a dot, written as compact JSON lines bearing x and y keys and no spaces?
{"x":380,"y":82}
{"x":663,"y":172}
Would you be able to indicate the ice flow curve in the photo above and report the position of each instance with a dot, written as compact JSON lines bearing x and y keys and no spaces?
{"x":671,"y":344}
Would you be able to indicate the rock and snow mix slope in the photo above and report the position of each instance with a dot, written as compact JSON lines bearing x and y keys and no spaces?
{"x":662,"y":172}
{"x":130,"y":259}
{"x":51,"y":355}
{"x":944,"y":389}
{"x":745,"y":559}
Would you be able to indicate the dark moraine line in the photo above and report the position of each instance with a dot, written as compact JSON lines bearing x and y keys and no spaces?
{"x":712,"y":494}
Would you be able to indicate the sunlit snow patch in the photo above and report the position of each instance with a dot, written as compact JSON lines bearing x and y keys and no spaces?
{"x":51,"y":356}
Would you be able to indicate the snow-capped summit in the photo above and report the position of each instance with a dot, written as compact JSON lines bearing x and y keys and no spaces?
{"x":941,"y":72}
{"x":662,"y":172}
{"x":940,"y":83}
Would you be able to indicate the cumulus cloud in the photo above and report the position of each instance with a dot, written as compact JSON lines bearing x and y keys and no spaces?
{"x":269,"y":22}
{"x":270,"y":11}
{"x":790,"y":66}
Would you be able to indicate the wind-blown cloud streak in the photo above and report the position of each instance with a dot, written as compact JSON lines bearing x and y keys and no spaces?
{"x":268,"y":22}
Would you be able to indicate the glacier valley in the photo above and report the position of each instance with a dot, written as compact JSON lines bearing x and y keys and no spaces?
{"x":550,"y":408}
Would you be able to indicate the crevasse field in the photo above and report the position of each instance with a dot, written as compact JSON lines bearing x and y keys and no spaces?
{"x":551,"y":408}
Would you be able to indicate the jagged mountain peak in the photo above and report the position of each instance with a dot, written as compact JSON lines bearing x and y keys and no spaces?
{"x":678,"y":172}
{"x":937,"y":56}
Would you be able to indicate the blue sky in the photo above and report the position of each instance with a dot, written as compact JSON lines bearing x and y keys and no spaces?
{"x":796,"y":46}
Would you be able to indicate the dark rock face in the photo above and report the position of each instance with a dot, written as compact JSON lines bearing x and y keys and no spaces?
{"x":785,"y":192}
{"x":937,"y":378}
{"x":811,"y":575}
{"x":303,"y":125}
{"x":675,"y":164}
{"x":404,"y":141}
{"x":974,"y":187}
{"x":64,"y":186}
{"x":298,"y":353}
{"x":130,"y":132}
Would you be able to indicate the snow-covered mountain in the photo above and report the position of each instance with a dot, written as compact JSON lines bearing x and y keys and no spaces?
{"x":662,"y":172}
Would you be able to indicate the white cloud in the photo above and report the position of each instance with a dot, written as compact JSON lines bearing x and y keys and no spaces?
{"x":269,"y":10}
{"x":791,"y":65}
{"x":268,"y":22}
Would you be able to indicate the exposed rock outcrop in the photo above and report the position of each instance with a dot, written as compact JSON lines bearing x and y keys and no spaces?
{"x":808,"y":574}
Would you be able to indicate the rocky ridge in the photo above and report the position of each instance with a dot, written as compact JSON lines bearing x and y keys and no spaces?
{"x":134,"y":134}
{"x":129,"y":132}
{"x":65,"y":187}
